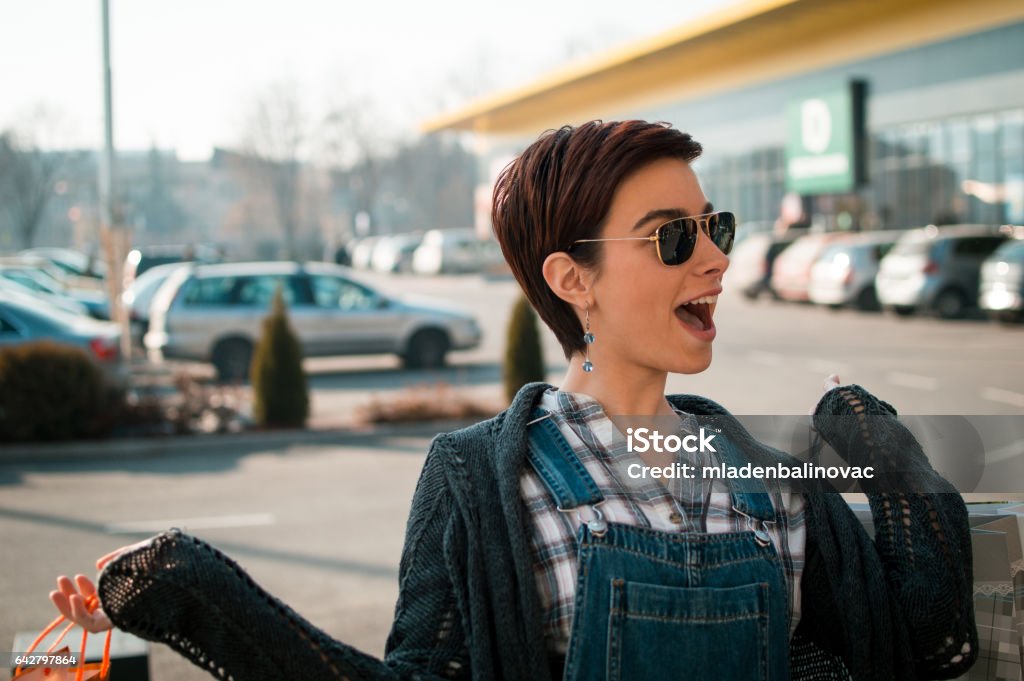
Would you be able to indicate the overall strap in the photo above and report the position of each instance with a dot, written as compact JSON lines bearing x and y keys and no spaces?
{"x":749,"y":495}
{"x":558,"y":466}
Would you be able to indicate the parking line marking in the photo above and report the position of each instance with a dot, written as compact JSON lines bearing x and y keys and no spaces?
{"x":1004,"y":396}
{"x":912,"y":380}
{"x":770,"y":359}
{"x":207,"y":523}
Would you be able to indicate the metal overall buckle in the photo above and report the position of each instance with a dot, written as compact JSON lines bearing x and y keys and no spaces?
{"x":597,"y":525}
{"x":761,"y":535}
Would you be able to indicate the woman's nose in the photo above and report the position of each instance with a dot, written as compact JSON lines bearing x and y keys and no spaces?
{"x":708,"y":257}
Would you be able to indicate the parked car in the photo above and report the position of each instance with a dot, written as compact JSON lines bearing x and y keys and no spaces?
{"x":63,"y":303}
{"x":141,"y":259}
{"x":362,"y":252}
{"x":752,"y":261}
{"x":791,"y":274}
{"x":936,"y":269}
{"x":138,"y":297}
{"x":214,"y":313}
{"x":41,"y":281}
{"x":70,"y":261}
{"x":1001,"y":292}
{"x":394,"y":253}
{"x":24,"y":319}
{"x":448,"y":251}
{"x":844,"y":275}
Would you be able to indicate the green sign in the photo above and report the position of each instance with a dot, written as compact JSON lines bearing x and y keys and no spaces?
{"x":824,"y":141}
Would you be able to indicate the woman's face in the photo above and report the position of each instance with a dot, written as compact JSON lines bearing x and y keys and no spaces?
{"x":642,"y":315}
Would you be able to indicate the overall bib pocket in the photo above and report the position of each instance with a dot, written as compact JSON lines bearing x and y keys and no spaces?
{"x":703,"y":632}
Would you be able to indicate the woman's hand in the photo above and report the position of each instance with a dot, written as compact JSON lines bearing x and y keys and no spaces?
{"x":831,"y":381}
{"x":77,"y":600}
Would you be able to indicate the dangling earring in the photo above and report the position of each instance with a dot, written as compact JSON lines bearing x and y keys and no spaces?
{"x":588,"y":339}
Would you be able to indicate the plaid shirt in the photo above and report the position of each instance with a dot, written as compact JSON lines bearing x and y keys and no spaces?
{"x":670,"y":505}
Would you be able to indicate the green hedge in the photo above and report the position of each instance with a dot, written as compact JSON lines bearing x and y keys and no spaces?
{"x":50,"y":391}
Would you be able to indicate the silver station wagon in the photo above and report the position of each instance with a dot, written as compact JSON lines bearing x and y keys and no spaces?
{"x":214,"y":313}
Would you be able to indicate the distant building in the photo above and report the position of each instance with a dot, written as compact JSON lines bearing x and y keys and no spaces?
{"x":879,"y":113}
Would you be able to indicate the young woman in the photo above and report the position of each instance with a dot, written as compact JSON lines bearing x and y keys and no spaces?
{"x":528,"y":555}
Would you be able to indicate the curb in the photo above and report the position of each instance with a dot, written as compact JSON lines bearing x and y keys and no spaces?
{"x":163,"y":446}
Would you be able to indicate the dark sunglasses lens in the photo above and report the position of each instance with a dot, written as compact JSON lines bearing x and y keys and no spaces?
{"x":722,"y":229}
{"x":676,"y":240}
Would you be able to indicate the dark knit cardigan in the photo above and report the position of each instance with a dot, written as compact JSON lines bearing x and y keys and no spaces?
{"x":898,"y":607}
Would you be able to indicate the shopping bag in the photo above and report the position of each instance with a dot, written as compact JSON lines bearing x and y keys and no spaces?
{"x":94,"y":671}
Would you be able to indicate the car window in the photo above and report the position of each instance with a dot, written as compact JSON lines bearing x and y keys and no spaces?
{"x":210,"y":291}
{"x":7,"y":328}
{"x":25,"y":280}
{"x":258,"y":291}
{"x":335,"y":293}
{"x":977,"y":246}
{"x":1012,"y":250}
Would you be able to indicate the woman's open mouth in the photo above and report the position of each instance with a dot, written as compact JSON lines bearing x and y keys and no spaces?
{"x":696,"y":316}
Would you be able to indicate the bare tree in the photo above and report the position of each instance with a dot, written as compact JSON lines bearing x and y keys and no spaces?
{"x":27,"y":175}
{"x":273,"y":141}
{"x":351,"y":147}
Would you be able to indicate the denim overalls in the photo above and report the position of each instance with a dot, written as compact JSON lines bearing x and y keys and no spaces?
{"x":653,"y":605}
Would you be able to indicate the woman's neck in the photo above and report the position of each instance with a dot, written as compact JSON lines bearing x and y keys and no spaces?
{"x":620,"y":392}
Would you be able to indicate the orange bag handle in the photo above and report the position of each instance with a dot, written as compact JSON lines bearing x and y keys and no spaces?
{"x":91,"y":604}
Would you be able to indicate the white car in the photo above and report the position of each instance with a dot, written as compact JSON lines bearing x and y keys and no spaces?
{"x":214,"y":313}
{"x":447,"y":251}
{"x":844,"y":275}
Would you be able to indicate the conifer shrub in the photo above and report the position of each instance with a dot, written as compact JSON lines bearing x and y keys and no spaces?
{"x":279,"y":386}
{"x":524,"y":358}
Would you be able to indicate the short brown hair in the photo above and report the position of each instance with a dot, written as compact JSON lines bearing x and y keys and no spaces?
{"x":560,"y":190}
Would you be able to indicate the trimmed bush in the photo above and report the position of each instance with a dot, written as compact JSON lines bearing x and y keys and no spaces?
{"x":279,"y":387}
{"x":50,"y":391}
{"x":524,"y":359}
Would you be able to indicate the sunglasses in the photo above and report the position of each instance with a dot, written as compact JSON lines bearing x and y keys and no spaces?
{"x":677,"y":238}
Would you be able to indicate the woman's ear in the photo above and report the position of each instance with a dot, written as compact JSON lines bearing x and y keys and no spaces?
{"x":568,"y":280}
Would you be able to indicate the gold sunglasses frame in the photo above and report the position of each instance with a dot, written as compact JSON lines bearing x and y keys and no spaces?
{"x":702,"y":224}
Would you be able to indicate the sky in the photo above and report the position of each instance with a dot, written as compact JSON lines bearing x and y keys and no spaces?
{"x":187,"y":72}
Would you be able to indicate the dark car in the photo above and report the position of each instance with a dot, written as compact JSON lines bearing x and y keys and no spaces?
{"x":1001,"y":293}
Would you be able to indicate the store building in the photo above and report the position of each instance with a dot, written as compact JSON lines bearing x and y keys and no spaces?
{"x":879,"y":113}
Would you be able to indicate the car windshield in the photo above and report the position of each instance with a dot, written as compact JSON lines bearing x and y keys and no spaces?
{"x":1014,"y":250}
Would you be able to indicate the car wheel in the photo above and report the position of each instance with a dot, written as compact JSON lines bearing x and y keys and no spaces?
{"x":1010,"y":318}
{"x":232,"y":358}
{"x":426,"y":350}
{"x":903,"y":310}
{"x":950,"y":304}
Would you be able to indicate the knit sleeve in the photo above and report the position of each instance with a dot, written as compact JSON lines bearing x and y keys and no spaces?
{"x":427,"y":633}
{"x":180,"y":591}
{"x":922,"y":534}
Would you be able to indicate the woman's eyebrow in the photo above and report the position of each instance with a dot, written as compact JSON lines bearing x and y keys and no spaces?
{"x":669,"y":214}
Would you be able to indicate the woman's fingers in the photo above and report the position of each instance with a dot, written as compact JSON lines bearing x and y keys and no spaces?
{"x":72,"y":604}
{"x":85,"y":586}
{"x":60,"y":600}
{"x":102,"y":562}
{"x":93,"y":622}
{"x":831,"y":381}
